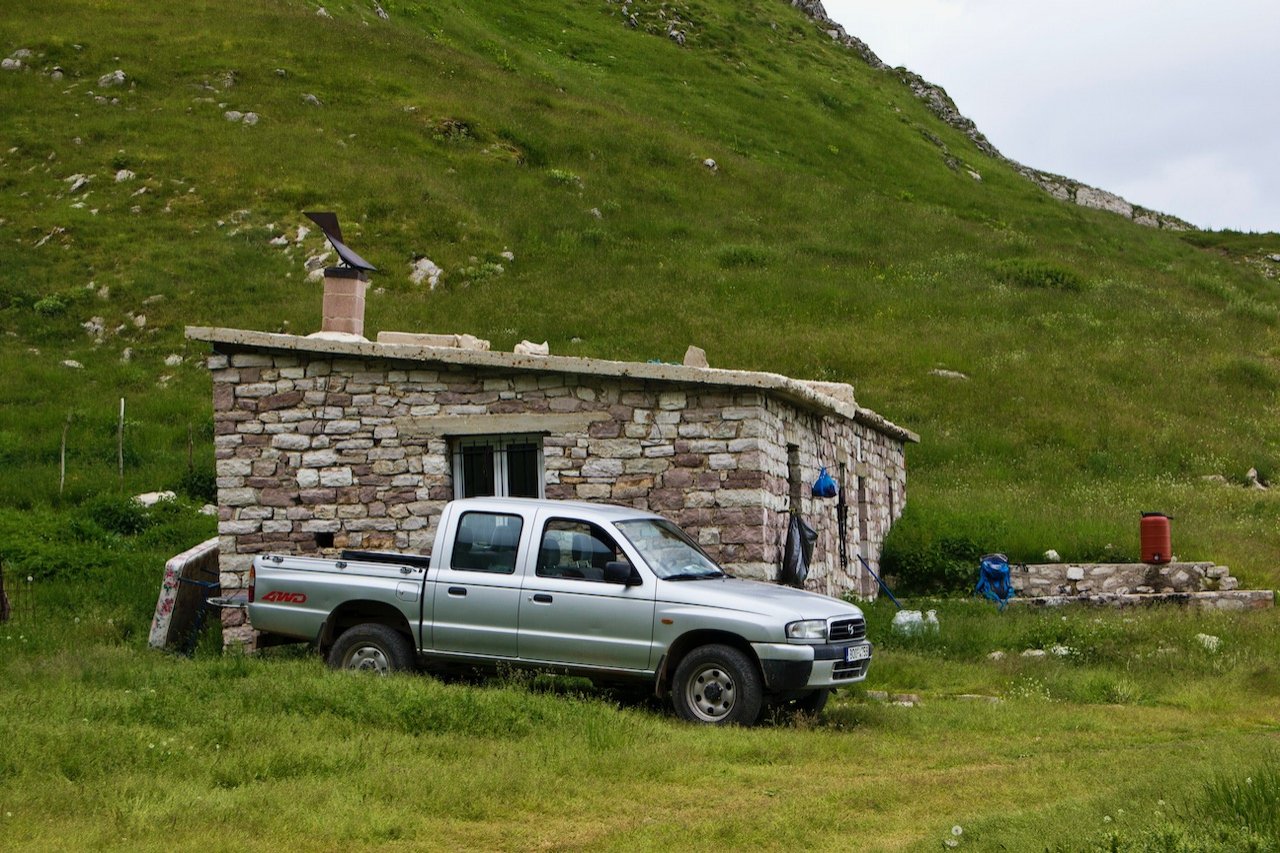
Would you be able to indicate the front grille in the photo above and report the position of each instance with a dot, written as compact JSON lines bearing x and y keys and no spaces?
{"x":843,"y":630}
{"x":844,"y":671}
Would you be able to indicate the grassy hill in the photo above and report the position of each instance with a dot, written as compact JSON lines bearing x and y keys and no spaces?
{"x":1110,"y":368}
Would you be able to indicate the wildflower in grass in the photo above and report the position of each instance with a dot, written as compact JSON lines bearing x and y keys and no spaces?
{"x":957,"y":830}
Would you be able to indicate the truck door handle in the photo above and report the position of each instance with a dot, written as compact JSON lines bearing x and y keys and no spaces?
{"x":458,"y":590}
{"x":542,"y":598}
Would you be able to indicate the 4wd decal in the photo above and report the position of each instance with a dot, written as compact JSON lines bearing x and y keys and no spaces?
{"x":279,"y":597}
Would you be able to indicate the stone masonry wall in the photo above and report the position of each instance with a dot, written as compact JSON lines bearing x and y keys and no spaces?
{"x":1121,"y":578}
{"x":358,"y":449}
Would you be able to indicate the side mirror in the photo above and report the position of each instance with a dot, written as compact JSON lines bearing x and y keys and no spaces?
{"x":617,"y":571}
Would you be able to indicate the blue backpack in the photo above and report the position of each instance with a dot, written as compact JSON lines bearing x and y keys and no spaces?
{"x":994,"y":581}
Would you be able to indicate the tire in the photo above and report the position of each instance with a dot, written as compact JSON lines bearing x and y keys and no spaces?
{"x":717,"y":685}
{"x":812,"y":703}
{"x":372,"y":647}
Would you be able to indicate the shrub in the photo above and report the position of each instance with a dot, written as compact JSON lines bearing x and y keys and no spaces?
{"x":50,"y":306}
{"x":564,"y":178}
{"x":199,"y":484}
{"x":119,"y":515}
{"x":1041,"y":275}
{"x":731,"y":257}
{"x":927,"y":555}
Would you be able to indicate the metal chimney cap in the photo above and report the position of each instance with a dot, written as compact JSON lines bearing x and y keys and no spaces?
{"x":328,"y":222}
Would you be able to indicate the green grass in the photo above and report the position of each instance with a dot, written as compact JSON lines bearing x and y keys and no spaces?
{"x":1140,"y":734}
{"x":1111,"y":367}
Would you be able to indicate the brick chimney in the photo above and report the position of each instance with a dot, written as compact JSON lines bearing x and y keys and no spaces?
{"x":344,"y":290}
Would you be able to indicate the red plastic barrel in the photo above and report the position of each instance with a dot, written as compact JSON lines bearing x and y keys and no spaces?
{"x":1156,"y":547}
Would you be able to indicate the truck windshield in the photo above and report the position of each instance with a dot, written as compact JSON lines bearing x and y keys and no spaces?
{"x":668,"y":550}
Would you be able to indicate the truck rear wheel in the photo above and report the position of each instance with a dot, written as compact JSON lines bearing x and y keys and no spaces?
{"x":372,"y":647}
{"x":719,"y":685}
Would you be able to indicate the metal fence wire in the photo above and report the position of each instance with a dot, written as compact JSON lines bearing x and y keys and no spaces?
{"x":17,"y":597}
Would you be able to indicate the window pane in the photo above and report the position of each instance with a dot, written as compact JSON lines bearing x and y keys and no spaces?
{"x":668,"y":550}
{"x":477,"y":472}
{"x":522,"y":470}
{"x":486,"y":542}
{"x":576,"y":549}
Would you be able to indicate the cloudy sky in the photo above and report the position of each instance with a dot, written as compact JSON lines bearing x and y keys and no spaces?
{"x":1173,"y":104}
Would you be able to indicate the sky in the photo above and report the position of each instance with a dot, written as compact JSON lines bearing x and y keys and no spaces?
{"x":1174,"y":105}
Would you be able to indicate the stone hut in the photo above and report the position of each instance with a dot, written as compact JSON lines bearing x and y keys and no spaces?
{"x":332,"y":441}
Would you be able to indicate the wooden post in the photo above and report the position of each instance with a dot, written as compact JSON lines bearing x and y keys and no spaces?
{"x":62,"y":457}
{"x":120,"y":442}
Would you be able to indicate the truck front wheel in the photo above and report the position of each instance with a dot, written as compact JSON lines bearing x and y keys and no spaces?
{"x":372,"y":647}
{"x":717,"y":684}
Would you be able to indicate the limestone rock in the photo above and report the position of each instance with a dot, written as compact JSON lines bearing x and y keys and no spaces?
{"x":1103,"y":200}
{"x":153,"y":498}
{"x":322,"y":12}
{"x":947,"y":374}
{"x":77,"y":182}
{"x":172,"y":360}
{"x":233,"y":115}
{"x":712,"y":165}
{"x":996,"y":656}
{"x":125,"y":175}
{"x":1052,"y":556}
{"x":312,"y":100}
{"x":695,"y":357}
{"x":115,"y":78}
{"x":1034,"y":653}
{"x":95,"y":326}
{"x":1255,"y":481}
{"x":425,"y":269}
{"x":250,"y":118}
{"x":530,"y":348}
{"x":73,"y":364}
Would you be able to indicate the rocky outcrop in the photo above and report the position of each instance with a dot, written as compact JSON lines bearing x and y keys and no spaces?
{"x":941,"y":105}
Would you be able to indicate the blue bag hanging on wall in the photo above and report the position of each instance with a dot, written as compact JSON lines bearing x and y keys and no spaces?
{"x":825,"y":486}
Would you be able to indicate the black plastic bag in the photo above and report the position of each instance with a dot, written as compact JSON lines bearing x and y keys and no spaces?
{"x":797,"y":553}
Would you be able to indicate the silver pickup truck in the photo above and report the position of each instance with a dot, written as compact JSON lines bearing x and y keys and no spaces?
{"x":609,"y":592}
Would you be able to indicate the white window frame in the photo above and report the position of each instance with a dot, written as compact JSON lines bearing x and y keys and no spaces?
{"x":499,"y":445}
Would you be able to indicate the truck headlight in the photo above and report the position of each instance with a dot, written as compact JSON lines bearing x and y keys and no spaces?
{"x":809,"y":629}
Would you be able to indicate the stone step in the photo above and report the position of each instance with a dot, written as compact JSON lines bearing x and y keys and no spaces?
{"x":1236,"y":599}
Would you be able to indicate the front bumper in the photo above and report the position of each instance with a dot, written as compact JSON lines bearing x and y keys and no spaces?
{"x":787,"y":666}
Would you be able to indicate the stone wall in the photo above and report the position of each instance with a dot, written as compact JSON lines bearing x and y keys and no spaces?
{"x":312,"y":448}
{"x":1120,"y":578}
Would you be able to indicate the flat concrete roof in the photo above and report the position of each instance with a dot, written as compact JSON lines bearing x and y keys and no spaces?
{"x":804,"y":394}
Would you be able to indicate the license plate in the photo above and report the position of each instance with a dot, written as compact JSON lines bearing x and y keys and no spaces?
{"x":853,"y":653}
